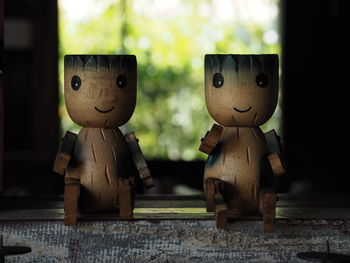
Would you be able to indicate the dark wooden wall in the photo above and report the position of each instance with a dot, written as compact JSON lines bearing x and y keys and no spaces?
{"x":31,"y":94}
{"x":314,"y":56}
{"x":1,"y":93}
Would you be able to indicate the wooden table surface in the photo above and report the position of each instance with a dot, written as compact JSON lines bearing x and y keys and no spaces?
{"x":156,"y":207}
{"x":175,"y":229}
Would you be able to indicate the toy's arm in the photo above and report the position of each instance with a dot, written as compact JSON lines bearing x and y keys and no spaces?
{"x":275,"y":156}
{"x":211,"y":139}
{"x":139,"y":161}
{"x":64,"y":152}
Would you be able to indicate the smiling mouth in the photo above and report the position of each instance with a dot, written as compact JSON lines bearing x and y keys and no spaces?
{"x":104,"y":111}
{"x":242,"y":111}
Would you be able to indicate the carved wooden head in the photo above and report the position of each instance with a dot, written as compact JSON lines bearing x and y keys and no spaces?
{"x":241,"y":90}
{"x":100,"y":90}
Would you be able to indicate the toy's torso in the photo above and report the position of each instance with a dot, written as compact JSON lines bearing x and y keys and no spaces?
{"x":237,"y":160}
{"x":101,"y":156}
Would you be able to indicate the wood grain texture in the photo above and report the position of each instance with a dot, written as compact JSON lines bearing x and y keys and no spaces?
{"x":100,"y":95}
{"x":237,"y":162}
{"x":176,"y":235}
{"x":139,"y":160}
{"x":64,"y":153}
{"x":268,"y":211}
{"x":211,"y":139}
{"x":71,"y":198}
{"x":99,"y":75}
{"x":273,"y":142}
{"x":276,"y":163}
{"x":173,"y":241}
{"x":276,"y":153}
{"x":126,"y":196}
{"x":220,"y":211}
{"x":101,"y":157}
{"x":210,"y":194}
{"x":240,"y":89}
{"x":241,"y":93}
{"x":215,"y":201}
{"x":155,"y":207}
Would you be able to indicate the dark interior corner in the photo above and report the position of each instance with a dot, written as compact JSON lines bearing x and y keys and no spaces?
{"x":311,"y":35}
{"x":1,"y":95}
{"x":313,"y":44}
{"x":31,"y":123}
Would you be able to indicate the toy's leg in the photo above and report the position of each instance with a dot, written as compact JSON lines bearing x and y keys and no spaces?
{"x":267,"y":207}
{"x":215,"y":202}
{"x":125,"y":193}
{"x":210,"y":194}
{"x":220,"y":211}
{"x":71,"y":196}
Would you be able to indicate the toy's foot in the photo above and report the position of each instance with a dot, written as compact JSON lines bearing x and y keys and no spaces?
{"x":125,"y":199}
{"x":215,"y":202}
{"x":220,"y":212}
{"x":71,"y":196}
{"x":268,"y":210}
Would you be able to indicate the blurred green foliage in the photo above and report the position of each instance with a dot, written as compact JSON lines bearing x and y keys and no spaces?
{"x":170,"y":39}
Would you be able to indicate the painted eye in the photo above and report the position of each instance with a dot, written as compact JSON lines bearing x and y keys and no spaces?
{"x":218,"y":80}
{"x":262,"y":80}
{"x":75,"y":82}
{"x":122,"y":81}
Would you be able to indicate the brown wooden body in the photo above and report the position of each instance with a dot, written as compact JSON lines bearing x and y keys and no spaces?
{"x":100,"y":158}
{"x":241,"y":93}
{"x":100,"y":95}
{"x":237,"y":161}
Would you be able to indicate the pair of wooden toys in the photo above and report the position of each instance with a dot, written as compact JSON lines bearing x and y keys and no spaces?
{"x":99,"y":163}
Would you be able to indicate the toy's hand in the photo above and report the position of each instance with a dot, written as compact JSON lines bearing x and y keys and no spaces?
{"x":277,"y":165}
{"x":64,"y":152}
{"x":211,"y":139}
{"x":138,"y":160}
{"x":275,"y":156}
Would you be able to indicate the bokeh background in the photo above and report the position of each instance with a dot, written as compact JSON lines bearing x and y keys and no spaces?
{"x":170,"y":39}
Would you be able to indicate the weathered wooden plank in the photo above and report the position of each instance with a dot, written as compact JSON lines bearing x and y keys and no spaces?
{"x":170,"y":203}
{"x":178,"y":213}
{"x":313,"y":213}
{"x":173,"y":241}
{"x":28,"y":214}
{"x":315,"y":200}
{"x":170,"y":197}
{"x":174,"y":229}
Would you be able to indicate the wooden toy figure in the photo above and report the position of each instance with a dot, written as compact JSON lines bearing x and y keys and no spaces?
{"x":99,"y":162}
{"x":241,"y":94}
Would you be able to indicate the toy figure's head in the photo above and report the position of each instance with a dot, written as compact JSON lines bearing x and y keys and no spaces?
{"x":100,"y":91}
{"x":241,"y":90}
